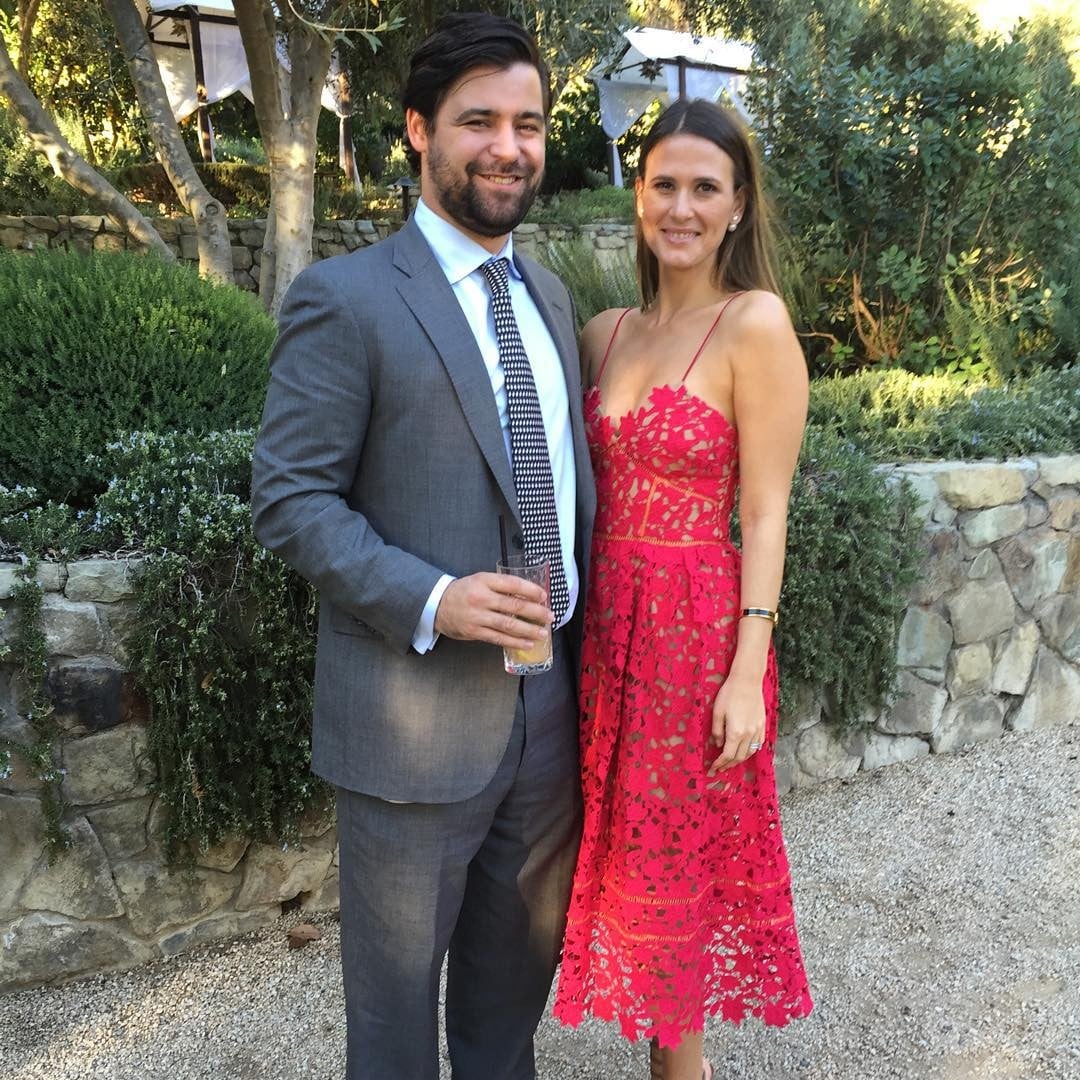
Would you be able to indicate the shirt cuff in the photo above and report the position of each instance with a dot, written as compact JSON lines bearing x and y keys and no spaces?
{"x":424,"y":637}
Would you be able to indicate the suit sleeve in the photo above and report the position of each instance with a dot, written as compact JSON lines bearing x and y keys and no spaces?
{"x":306,"y":457}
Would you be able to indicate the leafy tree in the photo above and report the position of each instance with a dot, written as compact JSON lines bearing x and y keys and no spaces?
{"x":911,"y":155}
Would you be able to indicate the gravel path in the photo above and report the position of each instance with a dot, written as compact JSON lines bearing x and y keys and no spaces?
{"x":939,"y":913}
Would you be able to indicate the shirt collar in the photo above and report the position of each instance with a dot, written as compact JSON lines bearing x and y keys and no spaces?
{"x":456,"y":253}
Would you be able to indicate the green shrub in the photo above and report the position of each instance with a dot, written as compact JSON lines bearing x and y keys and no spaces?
{"x":594,"y":287}
{"x":853,"y":555}
{"x":585,"y":207}
{"x":95,"y":346}
{"x":897,"y":416}
{"x":224,"y":644}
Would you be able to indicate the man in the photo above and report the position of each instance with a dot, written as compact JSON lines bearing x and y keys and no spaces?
{"x":405,"y":430}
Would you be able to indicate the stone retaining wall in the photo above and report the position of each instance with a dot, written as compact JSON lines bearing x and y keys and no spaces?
{"x":96,"y":233}
{"x":111,"y":901}
{"x":991,"y":638}
{"x":991,"y":641}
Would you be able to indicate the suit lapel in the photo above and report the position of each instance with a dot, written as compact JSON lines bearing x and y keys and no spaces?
{"x":428,"y":294}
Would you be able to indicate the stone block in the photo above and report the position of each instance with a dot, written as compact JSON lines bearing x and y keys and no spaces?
{"x":189,"y":247}
{"x":44,"y":947}
{"x":42,"y":223}
{"x":157,"y":898}
{"x":1055,"y":471}
{"x":94,"y":695}
{"x":972,"y":720}
{"x":891,"y":749}
{"x":981,"y":610}
{"x":327,"y":897}
{"x":989,"y":526}
{"x":1015,"y":659}
{"x":252,"y":238}
{"x":943,"y":567}
{"x":224,"y":856}
{"x":1038,"y":513}
{"x":986,"y":567}
{"x":804,"y":710}
{"x":272,"y":876}
{"x":108,"y":766}
{"x":925,"y":486}
{"x":103,"y":580}
{"x":1059,"y":618}
{"x":978,"y":484}
{"x":121,"y":828}
{"x":167,"y":229}
{"x":1064,"y":510}
{"x":106,"y":241}
{"x":783,"y":763}
{"x":1053,"y":696}
{"x":230,"y":925}
{"x":970,"y":668}
{"x":241,"y":258}
{"x":22,"y":777}
{"x":917,"y":707}
{"x":71,"y":628}
{"x":50,"y":576}
{"x":824,"y":753}
{"x":925,"y":640}
{"x":22,"y":843}
{"x":78,"y":883}
{"x":1035,"y":565}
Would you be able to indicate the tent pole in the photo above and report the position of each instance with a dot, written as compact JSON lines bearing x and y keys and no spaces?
{"x":206,"y":138}
{"x":682,"y":78}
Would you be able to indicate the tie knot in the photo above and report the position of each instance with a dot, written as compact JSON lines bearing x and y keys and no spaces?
{"x":498,"y":275}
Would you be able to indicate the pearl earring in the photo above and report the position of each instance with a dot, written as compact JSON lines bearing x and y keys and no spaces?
{"x":734,"y":225}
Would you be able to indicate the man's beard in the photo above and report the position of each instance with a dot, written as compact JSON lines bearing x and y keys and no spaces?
{"x":463,"y":202}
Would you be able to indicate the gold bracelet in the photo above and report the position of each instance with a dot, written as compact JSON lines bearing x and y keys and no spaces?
{"x":761,"y":613}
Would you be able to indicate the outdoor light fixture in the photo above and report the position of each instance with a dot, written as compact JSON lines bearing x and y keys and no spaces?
{"x":404,"y":184}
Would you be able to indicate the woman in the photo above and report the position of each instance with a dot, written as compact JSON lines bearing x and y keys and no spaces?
{"x":681,"y":905}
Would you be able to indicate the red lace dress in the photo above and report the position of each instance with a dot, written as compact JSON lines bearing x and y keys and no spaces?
{"x":681,"y":904}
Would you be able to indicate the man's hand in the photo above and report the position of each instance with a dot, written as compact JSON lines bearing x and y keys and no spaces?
{"x":497,"y":608}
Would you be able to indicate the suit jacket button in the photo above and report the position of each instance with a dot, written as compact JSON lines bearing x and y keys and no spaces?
{"x":519,"y":541}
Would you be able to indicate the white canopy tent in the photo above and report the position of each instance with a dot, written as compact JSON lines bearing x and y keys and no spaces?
{"x":651,"y":64}
{"x":201,"y":59}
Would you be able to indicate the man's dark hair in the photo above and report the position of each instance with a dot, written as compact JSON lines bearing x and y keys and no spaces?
{"x":459,"y":43}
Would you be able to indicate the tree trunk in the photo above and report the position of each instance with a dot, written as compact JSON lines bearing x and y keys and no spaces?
{"x":287,"y":109}
{"x":292,"y":174}
{"x":211,"y":223}
{"x":27,"y":12}
{"x":68,"y":165}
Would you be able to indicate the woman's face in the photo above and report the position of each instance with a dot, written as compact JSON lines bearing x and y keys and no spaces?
{"x":686,"y":201}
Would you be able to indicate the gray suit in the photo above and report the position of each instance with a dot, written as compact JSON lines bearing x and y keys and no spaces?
{"x":380,"y":466}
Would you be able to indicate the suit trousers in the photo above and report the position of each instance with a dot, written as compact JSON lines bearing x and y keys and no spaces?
{"x":485,"y":880}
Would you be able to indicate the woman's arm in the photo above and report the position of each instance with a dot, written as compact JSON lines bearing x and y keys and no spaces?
{"x":770,"y":395}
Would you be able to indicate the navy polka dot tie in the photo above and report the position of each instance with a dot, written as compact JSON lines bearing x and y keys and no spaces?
{"x":528,"y":443}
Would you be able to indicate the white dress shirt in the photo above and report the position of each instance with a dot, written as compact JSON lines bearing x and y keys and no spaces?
{"x":461,"y":259}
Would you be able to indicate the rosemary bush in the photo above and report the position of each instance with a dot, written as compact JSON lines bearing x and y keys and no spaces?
{"x":853,"y":555}
{"x":225,"y":640}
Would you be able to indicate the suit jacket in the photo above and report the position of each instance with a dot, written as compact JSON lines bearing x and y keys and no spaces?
{"x":380,"y":466}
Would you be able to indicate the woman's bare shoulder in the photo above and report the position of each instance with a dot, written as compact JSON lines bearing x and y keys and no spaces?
{"x":595,"y":339}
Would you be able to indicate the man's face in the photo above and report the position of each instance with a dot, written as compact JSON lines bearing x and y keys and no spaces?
{"x":482,"y":157}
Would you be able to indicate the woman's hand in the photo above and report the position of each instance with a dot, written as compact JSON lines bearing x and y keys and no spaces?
{"x":738,"y":721}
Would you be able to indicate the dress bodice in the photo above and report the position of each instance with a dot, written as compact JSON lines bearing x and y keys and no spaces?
{"x":666,"y":473}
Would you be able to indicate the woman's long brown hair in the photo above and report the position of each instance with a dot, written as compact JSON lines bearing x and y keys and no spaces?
{"x":744,"y":259}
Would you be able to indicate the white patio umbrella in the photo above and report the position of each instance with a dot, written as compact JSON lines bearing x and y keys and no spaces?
{"x":650,"y":64}
{"x":201,"y":59}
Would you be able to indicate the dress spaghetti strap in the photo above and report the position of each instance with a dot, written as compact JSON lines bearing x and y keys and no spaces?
{"x":704,"y":340}
{"x":607,"y":351}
